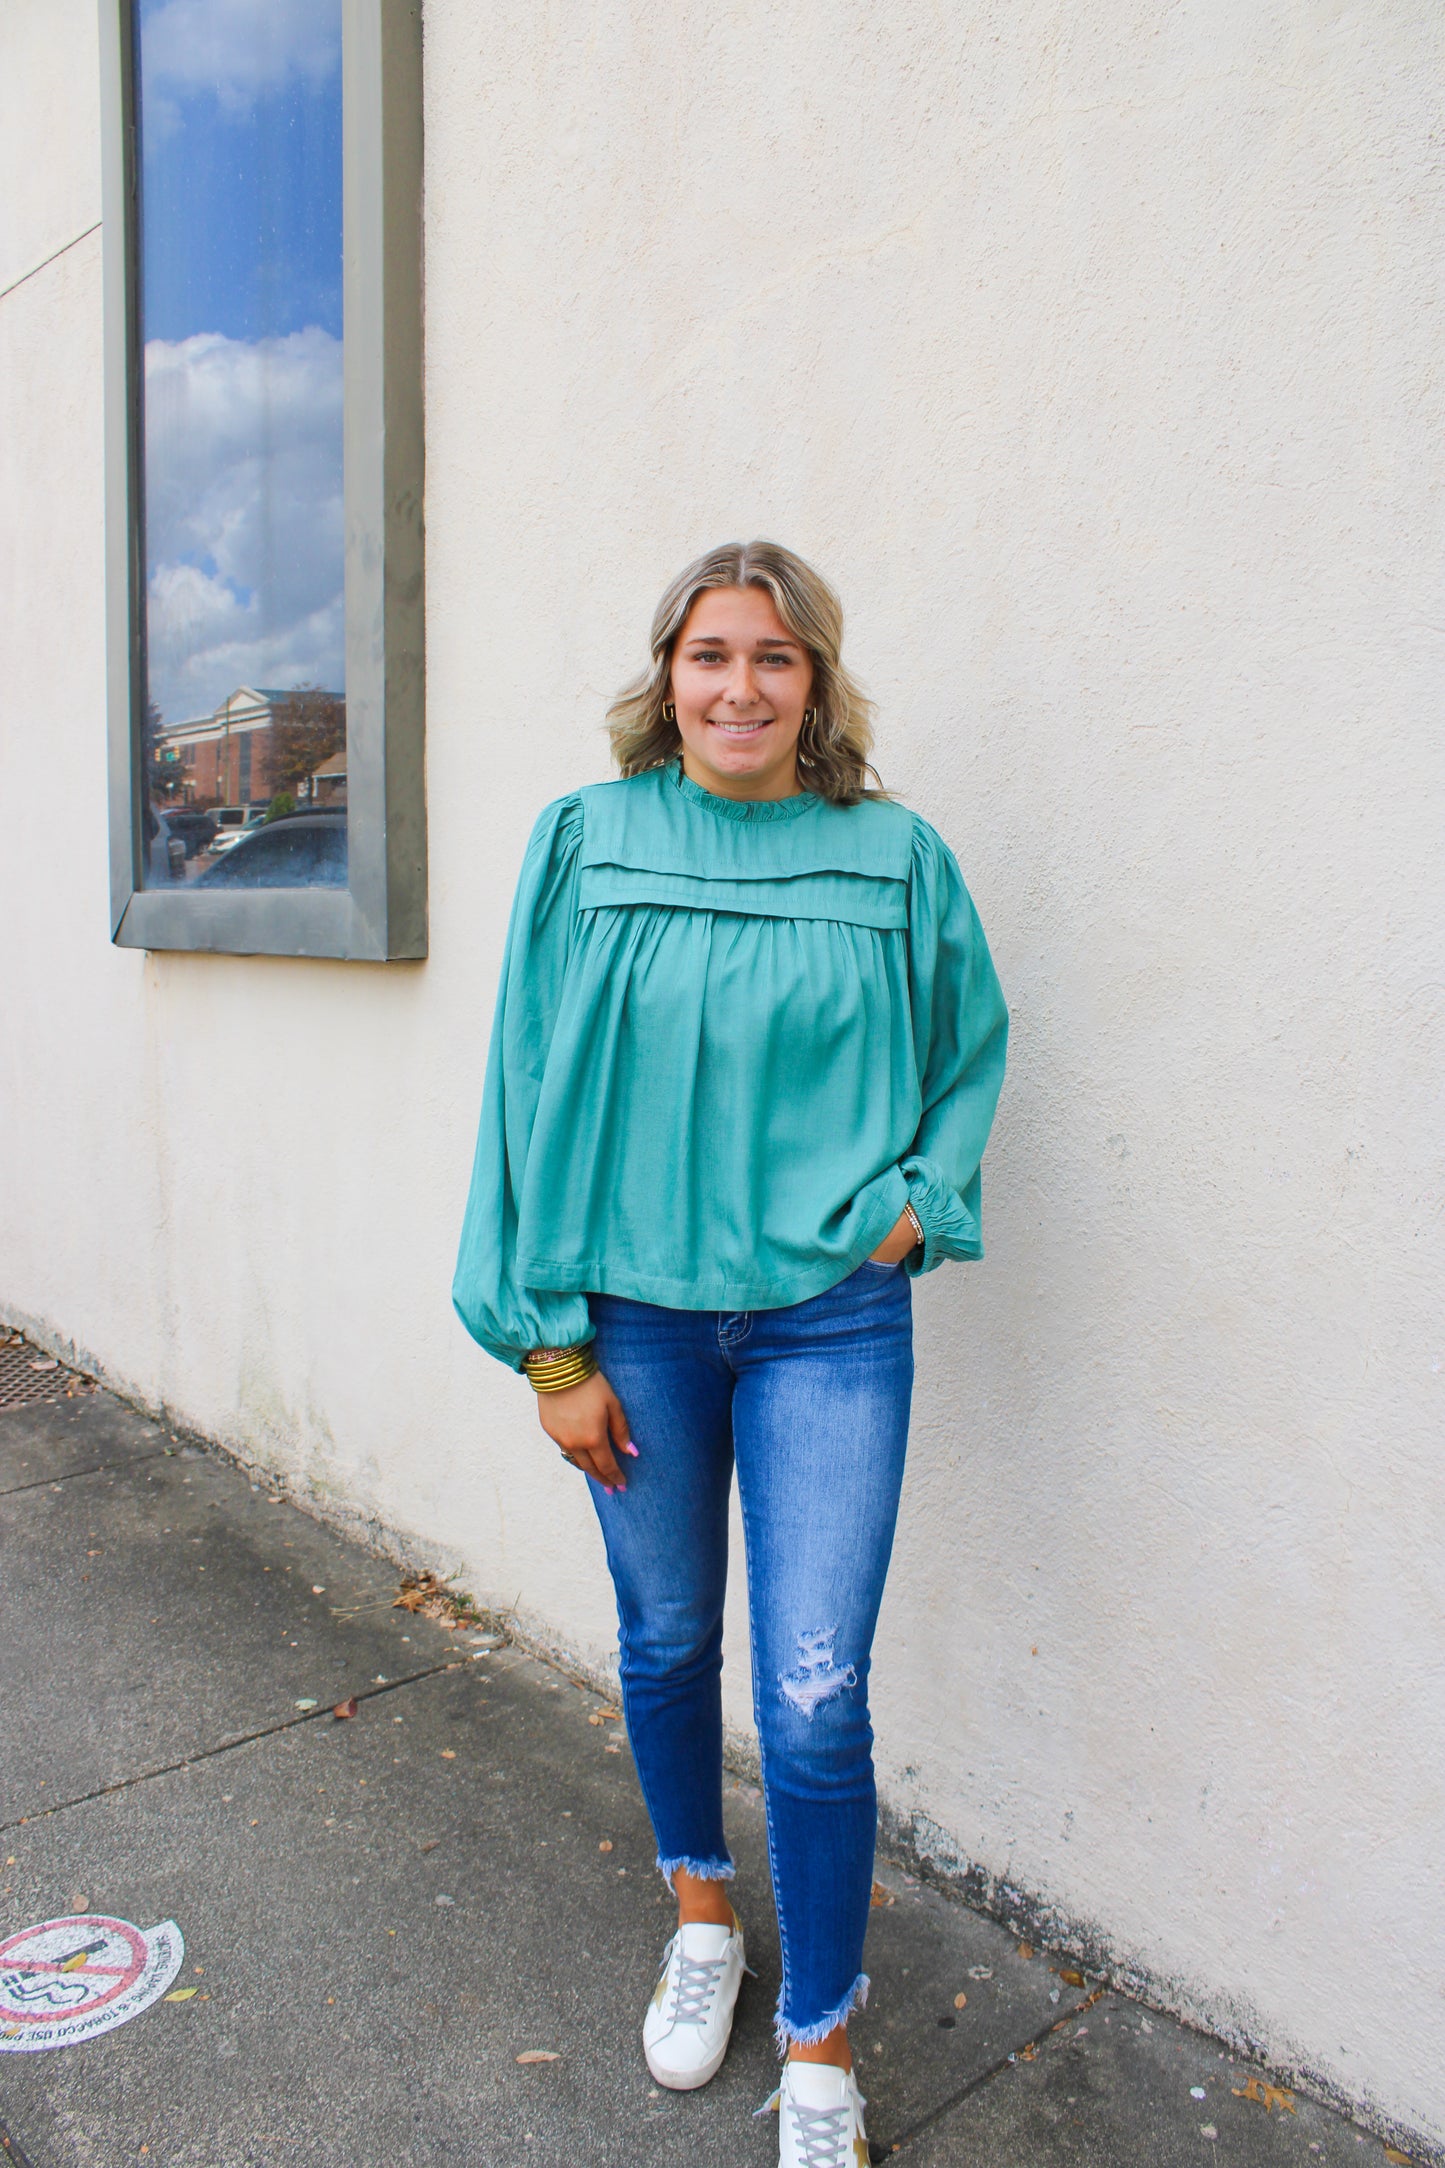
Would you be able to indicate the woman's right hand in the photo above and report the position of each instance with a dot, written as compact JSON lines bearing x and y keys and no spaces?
{"x":588,"y":1424}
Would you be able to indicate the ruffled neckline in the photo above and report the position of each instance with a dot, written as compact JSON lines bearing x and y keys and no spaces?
{"x":744,"y":809}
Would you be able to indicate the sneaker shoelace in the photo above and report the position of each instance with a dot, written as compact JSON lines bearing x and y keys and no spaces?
{"x":823,"y":2134}
{"x":698,"y":1979}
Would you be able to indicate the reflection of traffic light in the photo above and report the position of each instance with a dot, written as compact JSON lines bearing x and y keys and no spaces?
{"x":164,"y":772}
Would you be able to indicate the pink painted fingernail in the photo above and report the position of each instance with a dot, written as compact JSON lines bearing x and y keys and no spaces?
{"x":632,"y":1449}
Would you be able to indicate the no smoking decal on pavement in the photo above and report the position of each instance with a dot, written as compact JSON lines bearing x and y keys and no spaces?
{"x":71,"y":1979}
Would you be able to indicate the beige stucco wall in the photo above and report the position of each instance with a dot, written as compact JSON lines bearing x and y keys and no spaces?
{"x":1094,"y":349}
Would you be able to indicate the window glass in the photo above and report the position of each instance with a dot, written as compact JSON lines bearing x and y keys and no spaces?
{"x":238,"y":106}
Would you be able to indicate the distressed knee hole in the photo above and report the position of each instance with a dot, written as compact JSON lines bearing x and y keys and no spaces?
{"x":816,"y":1677}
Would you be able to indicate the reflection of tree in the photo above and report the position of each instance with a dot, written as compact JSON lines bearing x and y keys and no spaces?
{"x":309,"y":726}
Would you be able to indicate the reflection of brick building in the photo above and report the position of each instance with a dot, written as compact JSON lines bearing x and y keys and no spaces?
{"x":225,"y":758}
{"x":329,"y":782}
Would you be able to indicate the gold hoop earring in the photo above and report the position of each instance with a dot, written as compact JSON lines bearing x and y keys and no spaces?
{"x":669,"y":712}
{"x":810,"y":718}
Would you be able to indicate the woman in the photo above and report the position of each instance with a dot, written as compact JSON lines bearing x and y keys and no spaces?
{"x":747,"y":1050}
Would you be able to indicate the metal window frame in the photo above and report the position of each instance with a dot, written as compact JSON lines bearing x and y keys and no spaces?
{"x":382,"y":913}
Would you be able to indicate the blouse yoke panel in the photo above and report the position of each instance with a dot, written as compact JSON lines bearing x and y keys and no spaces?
{"x":813,"y":860}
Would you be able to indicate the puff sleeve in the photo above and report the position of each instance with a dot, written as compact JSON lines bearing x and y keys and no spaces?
{"x":506,"y":1317}
{"x":960,"y":1032}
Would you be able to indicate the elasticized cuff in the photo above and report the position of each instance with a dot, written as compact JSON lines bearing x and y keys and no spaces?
{"x":949,"y":1228}
{"x":516,"y":1357}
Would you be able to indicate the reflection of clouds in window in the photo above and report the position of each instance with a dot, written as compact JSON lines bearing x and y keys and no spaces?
{"x":237,"y":50}
{"x":244,"y":516}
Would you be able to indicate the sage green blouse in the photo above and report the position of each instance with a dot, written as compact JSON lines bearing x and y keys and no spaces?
{"x":732,"y":1040}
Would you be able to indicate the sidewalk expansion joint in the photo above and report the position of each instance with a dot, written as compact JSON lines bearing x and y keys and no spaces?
{"x":1026,"y":2049}
{"x":228,"y":1746}
{"x":102,"y":1467}
{"x":10,"y":2151}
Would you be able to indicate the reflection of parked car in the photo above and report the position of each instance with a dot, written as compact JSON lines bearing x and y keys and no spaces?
{"x":166,"y":854}
{"x":233,"y":822}
{"x":298,"y":850}
{"x":193,"y":825}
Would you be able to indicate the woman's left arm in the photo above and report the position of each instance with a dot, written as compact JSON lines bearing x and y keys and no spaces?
{"x":960,"y":1032}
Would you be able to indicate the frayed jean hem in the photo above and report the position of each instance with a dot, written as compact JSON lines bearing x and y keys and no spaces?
{"x":809,"y":2036}
{"x":701,"y":1870}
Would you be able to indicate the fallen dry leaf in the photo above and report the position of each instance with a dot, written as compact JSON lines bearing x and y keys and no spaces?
{"x":426,"y":1596}
{"x":345,"y":1708}
{"x":1026,"y":1950}
{"x":1027,"y":2054}
{"x":449,"y":1753}
{"x":605,"y":1716}
{"x":1272,"y":2096}
{"x":605,"y":1845}
{"x":1071,"y":1978}
{"x":960,"y":2002}
{"x":417,"y":1591}
{"x":882,"y":1896}
{"x":181,"y":1994}
{"x":539,"y":2055}
{"x":1392,"y":2153}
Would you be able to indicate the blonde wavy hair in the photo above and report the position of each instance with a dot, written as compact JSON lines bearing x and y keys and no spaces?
{"x":833,"y":747}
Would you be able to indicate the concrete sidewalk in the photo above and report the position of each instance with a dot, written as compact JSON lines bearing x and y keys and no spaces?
{"x":382,"y":1915}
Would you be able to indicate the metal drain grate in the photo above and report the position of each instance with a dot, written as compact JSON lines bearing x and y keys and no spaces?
{"x":28,"y":1374}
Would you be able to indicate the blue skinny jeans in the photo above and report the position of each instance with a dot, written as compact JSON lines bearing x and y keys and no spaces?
{"x":811,"y":1403}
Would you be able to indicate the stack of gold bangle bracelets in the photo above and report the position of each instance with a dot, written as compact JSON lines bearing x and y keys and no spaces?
{"x":554,"y":1369}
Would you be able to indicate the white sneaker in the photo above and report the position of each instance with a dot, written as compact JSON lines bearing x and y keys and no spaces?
{"x":690,"y":2017}
{"x":820,"y":2118}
